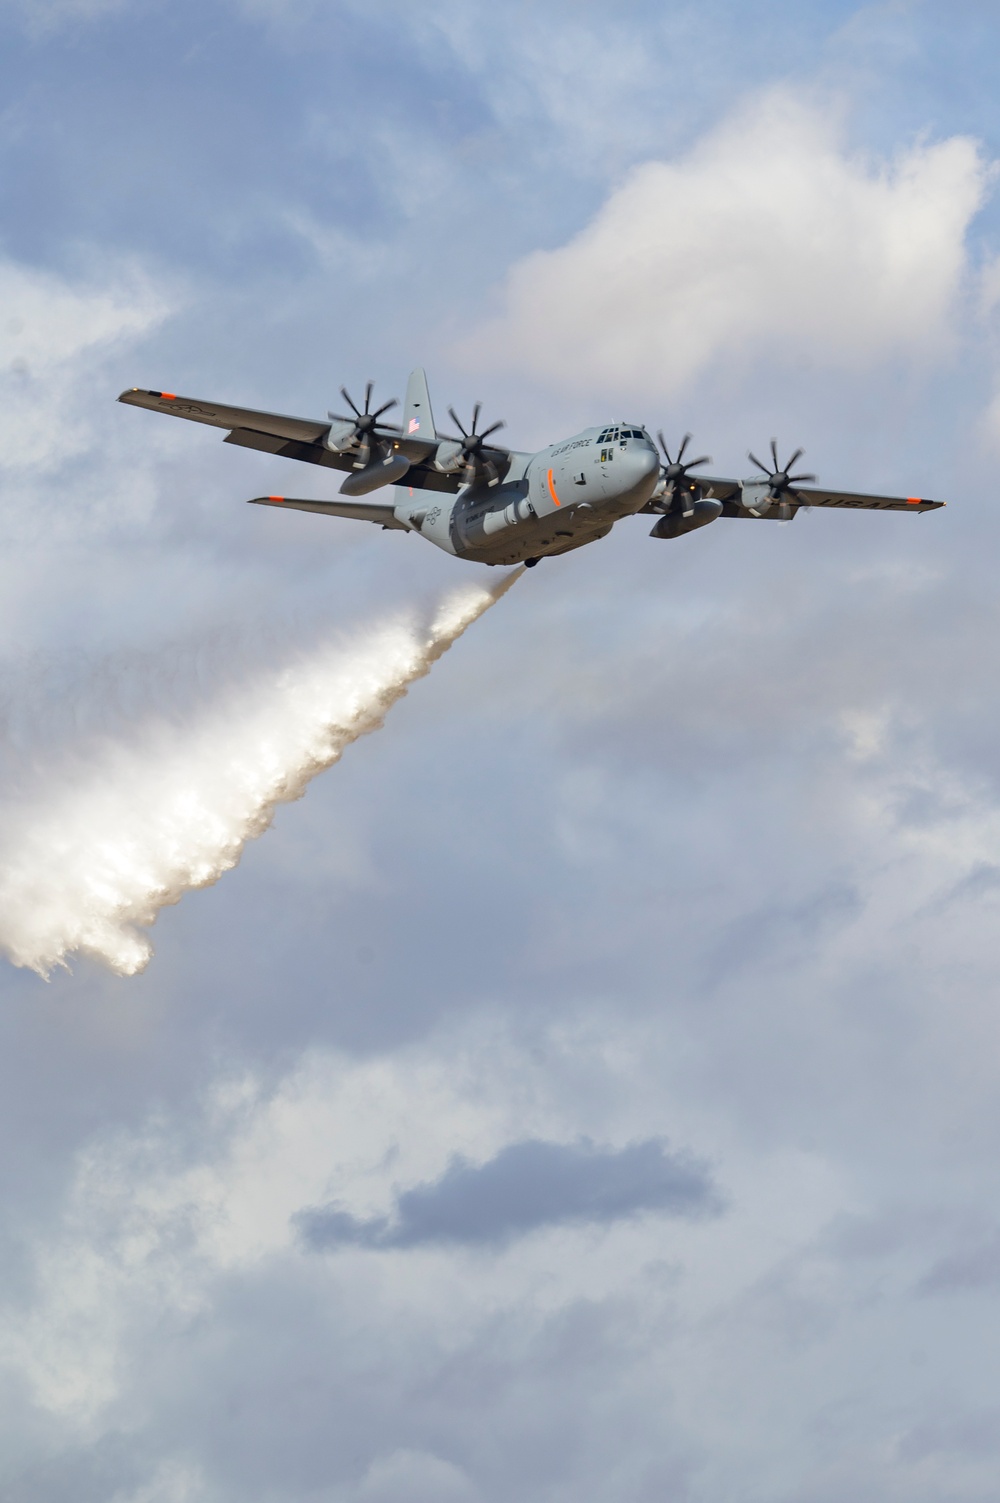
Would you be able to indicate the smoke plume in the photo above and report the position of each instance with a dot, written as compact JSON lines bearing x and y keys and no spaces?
{"x":89,"y":866}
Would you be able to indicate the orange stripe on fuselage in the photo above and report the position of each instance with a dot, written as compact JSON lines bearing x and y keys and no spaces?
{"x":552,"y":490}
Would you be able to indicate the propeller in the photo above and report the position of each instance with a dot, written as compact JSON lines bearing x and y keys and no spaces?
{"x":364,"y":422}
{"x":782,"y":482}
{"x":472,"y":447}
{"x":675,"y":475}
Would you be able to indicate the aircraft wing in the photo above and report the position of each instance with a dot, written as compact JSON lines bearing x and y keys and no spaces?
{"x":855,"y":501}
{"x":291,"y":437}
{"x":729,"y":493}
{"x":219,"y":415}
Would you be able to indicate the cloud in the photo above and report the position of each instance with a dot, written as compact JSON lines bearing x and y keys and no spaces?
{"x":172,"y":1482}
{"x":525,"y":1187}
{"x":160,"y":1222}
{"x":51,"y":329}
{"x":415,"y":1477}
{"x":768,"y":241}
{"x":972,"y":1268}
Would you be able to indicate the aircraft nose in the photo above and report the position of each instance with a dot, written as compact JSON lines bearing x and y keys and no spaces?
{"x":650,"y":461}
{"x":645,"y":464}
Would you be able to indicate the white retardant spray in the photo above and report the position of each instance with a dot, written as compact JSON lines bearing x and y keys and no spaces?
{"x":87,"y":867}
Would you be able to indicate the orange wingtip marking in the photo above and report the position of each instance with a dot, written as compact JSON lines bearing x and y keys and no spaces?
{"x":168,"y":396}
{"x":552,"y":490}
{"x":276,"y":498}
{"x":914,"y":500}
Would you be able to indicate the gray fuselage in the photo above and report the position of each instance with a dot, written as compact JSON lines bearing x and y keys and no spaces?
{"x":566,"y":495}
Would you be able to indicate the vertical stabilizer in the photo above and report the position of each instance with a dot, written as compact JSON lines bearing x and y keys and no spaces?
{"x":418,"y":420}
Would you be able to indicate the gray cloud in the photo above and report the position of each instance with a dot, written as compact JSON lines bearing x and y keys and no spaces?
{"x":971,"y":1268}
{"x":525,"y":1187}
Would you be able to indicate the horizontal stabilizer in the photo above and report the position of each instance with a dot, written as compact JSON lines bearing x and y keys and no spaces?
{"x":355,"y":511}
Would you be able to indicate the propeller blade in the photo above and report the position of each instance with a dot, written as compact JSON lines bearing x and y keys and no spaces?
{"x":494,"y":428}
{"x":469,"y":473}
{"x":369,"y":388}
{"x":663,"y":445}
{"x":457,"y":421}
{"x":364,"y":453}
{"x":350,"y":402}
{"x":774,"y":454}
{"x":386,"y":407}
{"x":794,"y":478}
{"x":794,"y":460}
{"x":491,"y":472}
{"x":475,"y":415}
{"x":684,"y":443}
{"x":753,"y":458}
{"x":693,"y":464}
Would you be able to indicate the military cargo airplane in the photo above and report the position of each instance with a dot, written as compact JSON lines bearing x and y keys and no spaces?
{"x":480,"y":501}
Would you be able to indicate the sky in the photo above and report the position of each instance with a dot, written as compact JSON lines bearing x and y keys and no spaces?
{"x":584,"y":1084}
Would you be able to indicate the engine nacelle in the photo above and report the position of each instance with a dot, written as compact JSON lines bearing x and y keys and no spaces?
{"x":450,"y":457}
{"x":341,"y":437}
{"x":674,"y":525}
{"x":756,"y":497}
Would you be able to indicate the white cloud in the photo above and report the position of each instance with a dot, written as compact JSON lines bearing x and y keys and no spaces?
{"x":151,"y":1232}
{"x":769,"y":241}
{"x":146,"y":1235}
{"x":53,"y":332}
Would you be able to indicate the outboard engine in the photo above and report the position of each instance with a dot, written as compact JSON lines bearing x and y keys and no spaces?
{"x":778,"y":489}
